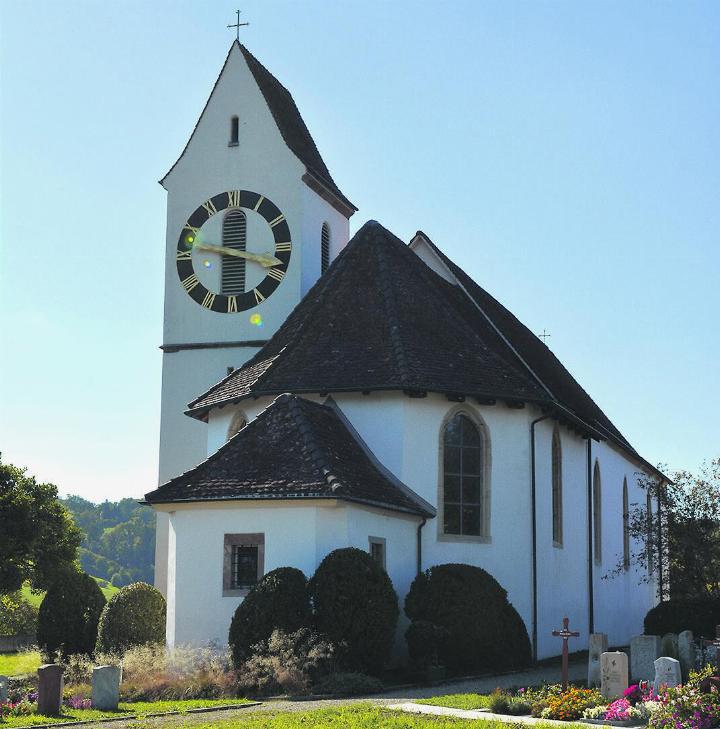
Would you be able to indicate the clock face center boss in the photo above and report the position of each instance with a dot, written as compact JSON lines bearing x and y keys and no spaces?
{"x":233,"y":251}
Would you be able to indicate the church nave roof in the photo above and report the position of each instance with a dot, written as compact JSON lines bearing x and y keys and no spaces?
{"x":294,"y":449}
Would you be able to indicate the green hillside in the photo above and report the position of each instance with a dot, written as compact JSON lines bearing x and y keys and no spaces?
{"x":35,"y":598}
{"x":119,"y":544}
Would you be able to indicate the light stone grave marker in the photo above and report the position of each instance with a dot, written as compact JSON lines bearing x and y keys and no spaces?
{"x":686,"y":652}
{"x":644,"y":650}
{"x":3,"y":688}
{"x":50,"y":689}
{"x":597,"y":645}
{"x":667,"y":673}
{"x":106,"y":687}
{"x":613,"y":674}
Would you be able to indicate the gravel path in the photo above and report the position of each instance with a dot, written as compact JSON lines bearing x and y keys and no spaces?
{"x":482,"y":685}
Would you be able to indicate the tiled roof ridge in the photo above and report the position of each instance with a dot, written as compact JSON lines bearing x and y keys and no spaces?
{"x":388,"y":292}
{"x":318,"y":454}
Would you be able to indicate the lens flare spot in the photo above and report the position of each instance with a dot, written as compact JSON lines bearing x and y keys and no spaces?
{"x":256,"y":320}
{"x":207,"y":264}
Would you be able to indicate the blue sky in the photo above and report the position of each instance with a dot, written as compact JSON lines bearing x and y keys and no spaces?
{"x":566,"y":154}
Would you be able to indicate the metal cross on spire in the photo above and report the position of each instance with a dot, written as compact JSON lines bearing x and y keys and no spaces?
{"x":237,"y":25}
{"x":544,"y":336}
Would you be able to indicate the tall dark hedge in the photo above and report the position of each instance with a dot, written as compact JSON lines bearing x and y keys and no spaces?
{"x":355,"y":604}
{"x":280,"y":601}
{"x":480,"y":629}
{"x":69,"y":614}
{"x":700,"y":615}
{"x":133,"y":616}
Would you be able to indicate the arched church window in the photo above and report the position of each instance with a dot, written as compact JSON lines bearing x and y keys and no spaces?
{"x":597,"y":513}
{"x":234,"y":131}
{"x":234,"y":233}
{"x":626,"y":526}
{"x":465,"y":502}
{"x":557,"y":497}
{"x":238,"y":422}
{"x":324,"y":248}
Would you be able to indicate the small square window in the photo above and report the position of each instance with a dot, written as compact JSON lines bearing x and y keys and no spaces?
{"x":243,"y":563}
{"x":377,"y":550}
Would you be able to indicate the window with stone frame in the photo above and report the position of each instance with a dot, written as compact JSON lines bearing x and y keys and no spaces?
{"x":597,"y":514}
{"x":234,"y":131}
{"x":463,"y":490}
{"x":238,"y":422}
{"x":557,"y":495}
{"x":243,"y":562}
{"x":324,"y":248}
{"x":377,"y":550}
{"x":626,"y":525}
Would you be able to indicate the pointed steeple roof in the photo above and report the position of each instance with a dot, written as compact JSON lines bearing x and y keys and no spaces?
{"x":290,"y":123}
{"x":294,"y":449}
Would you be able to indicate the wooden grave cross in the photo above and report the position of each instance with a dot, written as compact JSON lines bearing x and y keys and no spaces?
{"x":565,"y":634}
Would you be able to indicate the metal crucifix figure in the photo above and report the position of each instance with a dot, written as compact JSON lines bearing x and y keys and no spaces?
{"x":565,"y":633}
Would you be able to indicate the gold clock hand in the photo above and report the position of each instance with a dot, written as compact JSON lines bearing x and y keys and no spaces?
{"x":264,"y":259}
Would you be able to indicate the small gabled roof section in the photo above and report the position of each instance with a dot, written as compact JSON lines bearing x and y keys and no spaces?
{"x":294,"y":449}
{"x":292,"y":128}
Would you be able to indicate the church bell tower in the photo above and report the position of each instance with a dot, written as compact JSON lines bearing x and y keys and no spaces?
{"x":253,"y":219}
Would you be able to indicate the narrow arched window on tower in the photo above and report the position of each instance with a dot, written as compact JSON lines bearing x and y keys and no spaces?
{"x":557,"y":505}
{"x":597,"y":514}
{"x":324,"y":248}
{"x":233,"y":269}
{"x":234,"y":131}
{"x":626,"y":526}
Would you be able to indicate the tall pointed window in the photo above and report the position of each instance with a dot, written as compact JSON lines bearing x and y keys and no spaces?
{"x":233,"y":269}
{"x":464,"y":492}
{"x":626,"y":526}
{"x":597,"y":514}
{"x":557,"y":497}
{"x":238,"y":422}
{"x":234,"y":131}
{"x":324,"y":248}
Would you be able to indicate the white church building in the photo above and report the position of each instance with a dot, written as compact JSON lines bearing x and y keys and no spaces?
{"x":320,"y":392}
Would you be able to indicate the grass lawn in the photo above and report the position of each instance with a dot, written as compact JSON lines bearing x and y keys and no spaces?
{"x":139,"y":708}
{"x":16,"y":664}
{"x":35,"y":598}
{"x":458,"y":701}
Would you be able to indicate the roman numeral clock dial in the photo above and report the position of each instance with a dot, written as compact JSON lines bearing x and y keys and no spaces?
{"x":269,"y":261}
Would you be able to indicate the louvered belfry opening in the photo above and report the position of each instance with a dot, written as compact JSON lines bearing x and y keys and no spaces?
{"x":234,"y":235}
{"x":324,"y":248}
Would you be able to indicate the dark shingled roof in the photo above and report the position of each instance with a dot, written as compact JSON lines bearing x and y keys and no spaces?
{"x":289,"y":122}
{"x":381,"y":319}
{"x":294,"y":449}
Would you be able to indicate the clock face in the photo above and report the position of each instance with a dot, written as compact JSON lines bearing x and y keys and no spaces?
{"x":201,"y":254}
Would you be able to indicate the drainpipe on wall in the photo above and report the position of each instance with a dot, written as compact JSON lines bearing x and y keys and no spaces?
{"x":591,"y":595}
{"x":419,"y":544}
{"x":534,"y":535}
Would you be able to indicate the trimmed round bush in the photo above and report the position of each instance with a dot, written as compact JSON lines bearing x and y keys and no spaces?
{"x":482,"y":630}
{"x":69,"y":614}
{"x":355,"y":607}
{"x":133,"y":616}
{"x":700,"y":615}
{"x":280,"y":601}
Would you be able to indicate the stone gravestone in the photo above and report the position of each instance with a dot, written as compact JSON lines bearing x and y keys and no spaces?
{"x":613,"y":674}
{"x":644,"y":650}
{"x":667,"y":673}
{"x":50,"y":689}
{"x":686,"y":652}
{"x":3,"y":688}
{"x":596,"y":647}
{"x":106,"y":687}
{"x":669,"y":645}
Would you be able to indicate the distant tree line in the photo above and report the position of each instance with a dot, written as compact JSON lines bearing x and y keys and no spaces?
{"x":119,"y":543}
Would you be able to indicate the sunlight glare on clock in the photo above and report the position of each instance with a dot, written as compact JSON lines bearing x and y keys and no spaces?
{"x":256,"y":320}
